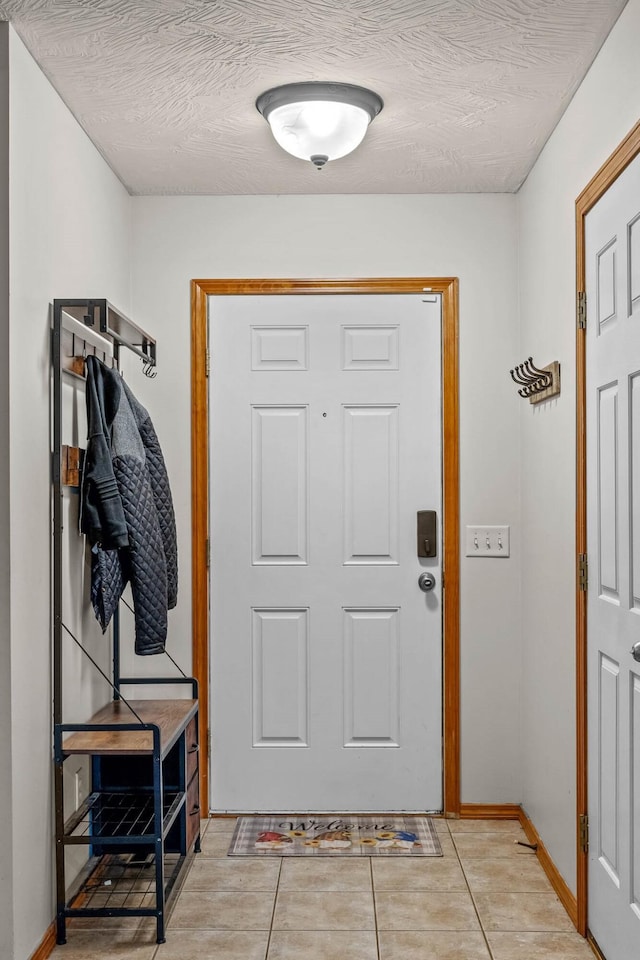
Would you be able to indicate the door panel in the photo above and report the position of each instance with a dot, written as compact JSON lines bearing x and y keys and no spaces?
{"x":613,"y":609}
{"x":609,"y":747}
{"x":634,"y":442}
{"x":280,"y":678}
{"x":371,"y":696}
{"x":326,"y":658}
{"x":279,"y":348}
{"x":634,"y":264}
{"x":279,"y":487}
{"x":370,"y":507}
{"x":608,"y":490}
{"x":635,"y":793}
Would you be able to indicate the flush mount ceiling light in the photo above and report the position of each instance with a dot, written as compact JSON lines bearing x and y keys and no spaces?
{"x":319,"y":121}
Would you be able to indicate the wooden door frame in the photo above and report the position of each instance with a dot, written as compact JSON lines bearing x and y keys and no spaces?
{"x":448,"y":287}
{"x":611,"y":169}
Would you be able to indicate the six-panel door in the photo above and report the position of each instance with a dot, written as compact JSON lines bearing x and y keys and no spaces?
{"x":326,"y":656}
{"x":613,"y":537}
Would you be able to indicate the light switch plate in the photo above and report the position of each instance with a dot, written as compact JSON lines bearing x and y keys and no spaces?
{"x":483,"y":541}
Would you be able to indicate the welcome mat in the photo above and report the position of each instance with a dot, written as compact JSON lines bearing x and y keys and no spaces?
{"x":305,"y":836}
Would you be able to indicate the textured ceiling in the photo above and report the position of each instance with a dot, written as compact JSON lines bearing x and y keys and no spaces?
{"x":166,"y":88}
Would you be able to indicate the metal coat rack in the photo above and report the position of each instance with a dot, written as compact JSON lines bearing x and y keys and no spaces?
{"x":78,"y":319}
{"x":81,"y":327}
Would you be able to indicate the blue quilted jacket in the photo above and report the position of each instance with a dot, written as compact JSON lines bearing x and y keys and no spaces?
{"x":127,"y":510}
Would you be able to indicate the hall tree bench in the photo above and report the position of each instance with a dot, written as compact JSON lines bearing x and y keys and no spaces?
{"x":139,"y":820}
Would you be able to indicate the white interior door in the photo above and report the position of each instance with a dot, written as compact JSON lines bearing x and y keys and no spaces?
{"x":613,"y":537}
{"x":326,"y":669}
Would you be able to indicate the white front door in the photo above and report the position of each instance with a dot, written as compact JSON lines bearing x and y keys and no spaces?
{"x":613,"y":538}
{"x":326,"y":657}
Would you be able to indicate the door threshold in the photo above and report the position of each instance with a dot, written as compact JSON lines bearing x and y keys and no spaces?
{"x":326,"y":813}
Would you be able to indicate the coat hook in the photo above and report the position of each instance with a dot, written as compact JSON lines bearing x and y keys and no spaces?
{"x":522,"y":374}
{"x":149,"y":369}
{"x":535,"y":370}
{"x":537,"y":383}
{"x":540,"y":378}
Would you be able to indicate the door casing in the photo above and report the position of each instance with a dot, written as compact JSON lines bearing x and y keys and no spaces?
{"x":448,"y":288}
{"x":595,"y":189}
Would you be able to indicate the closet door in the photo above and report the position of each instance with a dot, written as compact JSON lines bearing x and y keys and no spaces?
{"x":613,"y":537}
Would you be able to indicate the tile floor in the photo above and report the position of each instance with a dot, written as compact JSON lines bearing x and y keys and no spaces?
{"x":486,"y":899}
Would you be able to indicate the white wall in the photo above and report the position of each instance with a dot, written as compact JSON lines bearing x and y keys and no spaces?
{"x":70,"y":237}
{"x":473,"y":237}
{"x":604,"y":109}
{"x":6,"y":860}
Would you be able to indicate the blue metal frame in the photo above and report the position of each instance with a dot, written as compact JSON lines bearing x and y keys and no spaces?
{"x":161,"y":826}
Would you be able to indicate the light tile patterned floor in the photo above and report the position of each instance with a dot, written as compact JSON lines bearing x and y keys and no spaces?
{"x":486,"y":899}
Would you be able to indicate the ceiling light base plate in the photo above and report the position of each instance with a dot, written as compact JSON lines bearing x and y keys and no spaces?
{"x":316,"y":90}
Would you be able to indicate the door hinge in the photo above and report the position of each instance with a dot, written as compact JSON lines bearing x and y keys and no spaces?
{"x":209,"y":743}
{"x":583,"y":838}
{"x":581,"y":310}
{"x":208,"y":552}
{"x":583,"y":571}
{"x":207,"y":363}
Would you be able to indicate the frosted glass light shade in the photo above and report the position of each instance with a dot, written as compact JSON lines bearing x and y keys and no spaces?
{"x":319,"y":121}
{"x":319,"y":128}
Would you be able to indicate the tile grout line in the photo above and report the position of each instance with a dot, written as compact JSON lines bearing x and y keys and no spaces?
{"x":157,"y":951}
{"x":524,"y":858}
{"x":473,"y":900}
{"x":375,"y":908}
{"x":273,"y":912}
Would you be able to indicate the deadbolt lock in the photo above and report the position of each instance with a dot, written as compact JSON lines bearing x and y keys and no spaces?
{"x":427,"y":533}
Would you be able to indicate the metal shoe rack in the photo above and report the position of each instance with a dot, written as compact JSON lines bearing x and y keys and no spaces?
{"x":141,"y":820}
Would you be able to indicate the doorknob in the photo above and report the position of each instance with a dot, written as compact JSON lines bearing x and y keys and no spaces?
{"x":635,"y":651}
{"x":427,"y":581}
